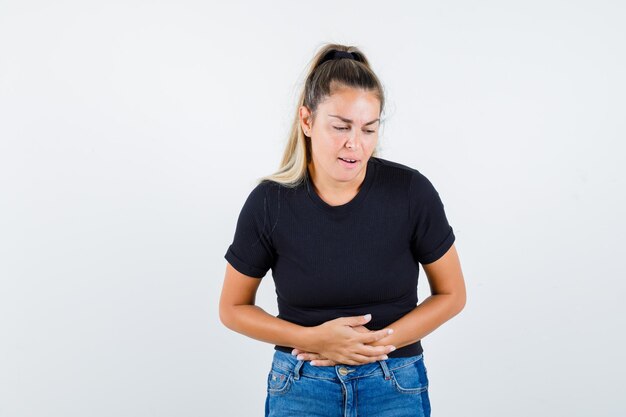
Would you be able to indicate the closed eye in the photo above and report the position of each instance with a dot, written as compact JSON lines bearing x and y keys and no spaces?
{"x":347,"y":128}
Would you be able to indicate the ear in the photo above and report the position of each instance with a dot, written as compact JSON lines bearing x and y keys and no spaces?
{"x":305,"y":120}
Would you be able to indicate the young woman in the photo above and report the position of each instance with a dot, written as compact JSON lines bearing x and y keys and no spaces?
{"x":343,"y":232}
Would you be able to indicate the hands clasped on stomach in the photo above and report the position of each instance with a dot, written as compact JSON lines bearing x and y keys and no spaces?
{"x":345,"y":341}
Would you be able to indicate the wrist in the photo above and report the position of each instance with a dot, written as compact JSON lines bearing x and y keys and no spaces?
{"x":306,"y":339}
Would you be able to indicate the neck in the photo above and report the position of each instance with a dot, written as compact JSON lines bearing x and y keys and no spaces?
{"x":329,"y":187}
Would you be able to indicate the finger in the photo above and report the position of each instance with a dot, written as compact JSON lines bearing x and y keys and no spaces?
{"x":375,"y":335}
{"x":356,"y":320}
{"x":358,"y":359}
{"x":308,"y":356}
{"x":361,"y":329}
{"x":368,"y":350}
{"x":323,"y":362}
{"x":390,"y":348}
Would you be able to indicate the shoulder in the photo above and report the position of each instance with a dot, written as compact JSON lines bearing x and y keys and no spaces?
{"x":388,"y":165}
{"x":416,"y":181}
{"x":263,"y":202}
{"x":256,"y":202}
{"x":263,"y":190}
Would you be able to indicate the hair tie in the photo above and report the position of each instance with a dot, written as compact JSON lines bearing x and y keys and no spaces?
{"x":342,"y":54}
{"x":335,"y":54}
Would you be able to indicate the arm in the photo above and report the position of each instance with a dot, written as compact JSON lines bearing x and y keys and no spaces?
{"x":448,"y":298}
{"x":335,"y":338}
{"x":239,"y":313}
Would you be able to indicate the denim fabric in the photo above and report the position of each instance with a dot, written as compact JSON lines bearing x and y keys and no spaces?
{"x":395,"y":387}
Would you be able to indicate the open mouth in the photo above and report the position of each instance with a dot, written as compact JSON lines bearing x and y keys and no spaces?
{"x":350,"y":161}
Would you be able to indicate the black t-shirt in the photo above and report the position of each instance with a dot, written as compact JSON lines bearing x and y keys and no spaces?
{"x":337,"y":261}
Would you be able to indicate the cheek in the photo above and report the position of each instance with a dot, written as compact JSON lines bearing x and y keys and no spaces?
{"x":324,"y":148}
{"x":369,"y":141}
{"x":328,"y":142}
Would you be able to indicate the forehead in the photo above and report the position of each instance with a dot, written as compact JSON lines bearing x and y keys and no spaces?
{"x":352,"y":103}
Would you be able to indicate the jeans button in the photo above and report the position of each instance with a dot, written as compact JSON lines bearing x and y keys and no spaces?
{"x":343,"y":371}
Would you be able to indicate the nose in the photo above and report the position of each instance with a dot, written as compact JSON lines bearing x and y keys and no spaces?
{"x":353,"y":140}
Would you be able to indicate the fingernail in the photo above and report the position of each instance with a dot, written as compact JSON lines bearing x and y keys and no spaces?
{"x":293,"y":352}
{"x":313,"y":363}
{"x":367,"y":316}
{"x":392,"y":349}
{"x":389,"y":331}
{"x":385,"y":357}
{"x":300,"y":357}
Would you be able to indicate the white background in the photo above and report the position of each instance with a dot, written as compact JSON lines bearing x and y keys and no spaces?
{"x":131,"y":133}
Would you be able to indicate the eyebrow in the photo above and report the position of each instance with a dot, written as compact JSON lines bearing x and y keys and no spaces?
{"x":350,"y":121}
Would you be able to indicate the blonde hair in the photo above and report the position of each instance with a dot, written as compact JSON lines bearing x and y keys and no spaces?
{"x":323,"y":75}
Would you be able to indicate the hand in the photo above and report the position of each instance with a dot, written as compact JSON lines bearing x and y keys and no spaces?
{"x":345,"y":340}
{"x":319,"y":360}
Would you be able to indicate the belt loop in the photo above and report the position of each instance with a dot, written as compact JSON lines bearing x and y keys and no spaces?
{"x":296,"y":371}
{"x":383,"y":365}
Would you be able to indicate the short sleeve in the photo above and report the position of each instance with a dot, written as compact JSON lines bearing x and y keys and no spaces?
{"x":432,"y":235}
{"x":251,"y":251}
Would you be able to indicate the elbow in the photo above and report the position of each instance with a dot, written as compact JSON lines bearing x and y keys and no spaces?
{"x":455,"y":302}
{"x":460,"y":308}
{"x":226,"y":315}
{"x":231,"y":315}
{"x":223,"y":318}
{"x":460,"y":302}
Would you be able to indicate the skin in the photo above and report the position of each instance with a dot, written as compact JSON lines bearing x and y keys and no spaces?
{"x":344,"y":340}
{"x":332,"y":137}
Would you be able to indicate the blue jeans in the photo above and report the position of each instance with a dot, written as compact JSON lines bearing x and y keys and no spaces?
{"x":395,"y":387}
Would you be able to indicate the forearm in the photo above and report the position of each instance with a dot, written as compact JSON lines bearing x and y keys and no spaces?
{"x":422,"y":320}
{"x":254,"y":322}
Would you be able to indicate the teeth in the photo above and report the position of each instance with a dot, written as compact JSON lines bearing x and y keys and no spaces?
{"x":349,"y":160}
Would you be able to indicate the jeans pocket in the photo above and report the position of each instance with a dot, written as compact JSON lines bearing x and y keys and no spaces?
{"x":411,"y":378}
{"x":278,"y":381}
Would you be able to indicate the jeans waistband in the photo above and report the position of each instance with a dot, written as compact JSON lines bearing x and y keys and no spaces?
{"x":291,"y":363}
